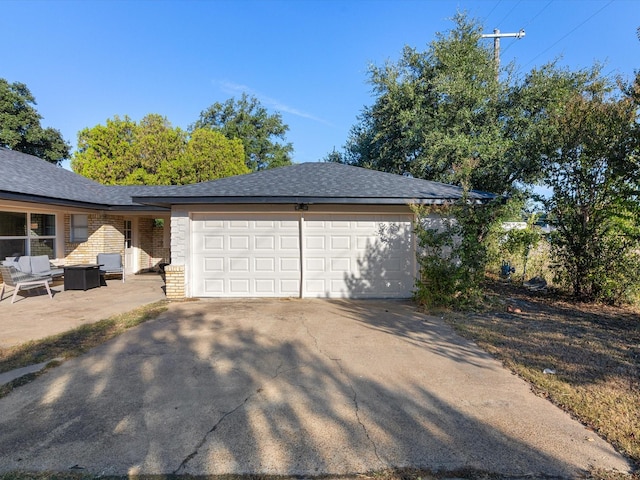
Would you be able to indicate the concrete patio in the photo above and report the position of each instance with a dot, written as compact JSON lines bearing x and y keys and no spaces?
{"x":34,"y":315}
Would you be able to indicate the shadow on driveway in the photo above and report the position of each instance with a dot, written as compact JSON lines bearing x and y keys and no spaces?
{"x":290,"y":387}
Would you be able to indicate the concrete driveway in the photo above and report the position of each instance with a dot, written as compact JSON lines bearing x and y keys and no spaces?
{"x":291,"y":387}
{"x":35,"y":316}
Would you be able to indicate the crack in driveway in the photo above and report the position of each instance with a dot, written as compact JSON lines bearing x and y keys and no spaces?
{"x":189,"y":457}
{"x":354,"y":397}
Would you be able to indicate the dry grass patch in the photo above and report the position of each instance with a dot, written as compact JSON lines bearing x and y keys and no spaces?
{"x":593,"y":349}
{"x":72,"y":343}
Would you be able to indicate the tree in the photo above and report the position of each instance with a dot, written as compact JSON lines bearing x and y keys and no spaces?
{"x":20,"y":128}
{"x":246,"y":119}
{"x":208,"y":155}
{"x":152,"y":152}
{"x":591,"y":154}
{"x":436,"y":109}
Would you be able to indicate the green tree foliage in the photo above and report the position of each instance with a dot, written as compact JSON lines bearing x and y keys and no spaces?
{"x":262,"y":134}
{"x":208,"y":155}
{"x":20,"y":128}
{"x":454,"y":243}
{"x":435,"y":109}
{"x":591,"y":154}
{"x":152,"y":152}
{"x":520,"y":242}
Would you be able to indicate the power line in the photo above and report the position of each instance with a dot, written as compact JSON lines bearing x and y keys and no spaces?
{"x":569,"y":33}
{"x":491,"y":11}
{"x":530,"y":22}
{"x":509,"y":13}
{"x":538,"y":14}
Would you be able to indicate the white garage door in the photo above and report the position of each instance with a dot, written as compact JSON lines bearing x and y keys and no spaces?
{"x":343,"y":256}
{"x":246,"y":255}
{"x":358,"y":256}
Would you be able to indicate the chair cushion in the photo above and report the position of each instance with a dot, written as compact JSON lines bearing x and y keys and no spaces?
{"x":40,"y":264}
{"x":24,"y":264}
{"x":110,"y":261}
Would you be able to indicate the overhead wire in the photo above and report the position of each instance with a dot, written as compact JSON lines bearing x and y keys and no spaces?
{"x":491,"y":11}
{"x":508,"y":13}
{"x":569,"y":33}
{"x":529,"y":23}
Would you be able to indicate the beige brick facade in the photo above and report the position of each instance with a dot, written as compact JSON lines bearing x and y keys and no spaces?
{"x":106,"y":235}
{"x":174,"y":281}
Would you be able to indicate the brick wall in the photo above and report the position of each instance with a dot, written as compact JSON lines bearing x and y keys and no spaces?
{"x":152,"y":249}
{"x":105,"y":236}
{"x":174,"y":281}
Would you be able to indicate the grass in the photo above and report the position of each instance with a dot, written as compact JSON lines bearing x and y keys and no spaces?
{"x":393,"y":474}
{"x":72,"y":343}
{"x":593,"y":349}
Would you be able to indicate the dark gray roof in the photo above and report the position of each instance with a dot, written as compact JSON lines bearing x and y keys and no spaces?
{"x":28,"y":178}
{"x":313,"y":183}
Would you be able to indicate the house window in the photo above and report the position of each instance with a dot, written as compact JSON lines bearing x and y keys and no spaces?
{"x":128,"y":233}
{"x":24,"y":233}
{"x":79,"y":228}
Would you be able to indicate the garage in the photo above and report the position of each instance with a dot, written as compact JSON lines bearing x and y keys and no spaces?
{"x":322,"y":230}
{"x":246,"y":255}
{"x":329,"y":255}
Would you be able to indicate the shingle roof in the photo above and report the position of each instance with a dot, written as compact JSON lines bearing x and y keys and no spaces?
{"x":313,"y":183}
{"x":28,"y":178}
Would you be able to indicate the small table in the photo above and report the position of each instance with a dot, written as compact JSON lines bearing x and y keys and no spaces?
{"x":81,"y":277}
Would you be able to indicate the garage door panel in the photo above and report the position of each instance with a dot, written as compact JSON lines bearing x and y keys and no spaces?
{"x":290,"y":264}
{"x":265,"y":285}
{"x":262,"y":242}
{"x":315,"y":264}
{"x":290,"y":287}
{"x":239,"y":242}
{"x":340,"y":242}
{"x":268,"y":224}
{"x":265,"y":264}
{"x":314,"y":242}
{"x":245,"y":255}
{"x":341,"y":265}
{"x":214,"y":286}
{"x":365,"y":255}
{"x":212,"y":224}
{"x":289,"y":242}
{"x":214,"y":264}
{"x":213,"y":242}
{"x":239,"y":286}
{"x":238,"y":224}
{"x":238,"y":264}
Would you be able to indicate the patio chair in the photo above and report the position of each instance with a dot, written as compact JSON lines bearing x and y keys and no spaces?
{"x":110,"y":263}
{"x":22,"y":281}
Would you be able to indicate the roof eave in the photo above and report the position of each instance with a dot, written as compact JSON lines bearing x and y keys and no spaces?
{"x":170,"y":200}
{"x":62,"y":202}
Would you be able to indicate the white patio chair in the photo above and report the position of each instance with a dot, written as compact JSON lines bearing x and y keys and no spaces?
{"x":22,"y":281}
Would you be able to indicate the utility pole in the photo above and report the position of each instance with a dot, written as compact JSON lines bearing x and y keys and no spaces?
{"x":496,"y":35}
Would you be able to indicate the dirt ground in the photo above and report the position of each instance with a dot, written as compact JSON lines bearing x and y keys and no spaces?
{"x":583,"y":357}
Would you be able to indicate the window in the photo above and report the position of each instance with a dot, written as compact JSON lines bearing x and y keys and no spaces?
{"x":79,"y":228}
{"x":128,"y":233}
{"x":27,"y":234}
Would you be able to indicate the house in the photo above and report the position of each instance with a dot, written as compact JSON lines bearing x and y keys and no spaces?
{"x":45,"y":209}
{"x":307,"y":230}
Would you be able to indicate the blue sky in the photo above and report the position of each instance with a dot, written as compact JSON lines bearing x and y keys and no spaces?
{"x":86,"y":61}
